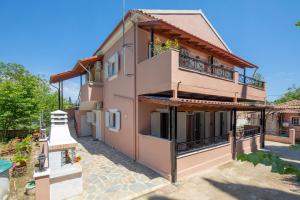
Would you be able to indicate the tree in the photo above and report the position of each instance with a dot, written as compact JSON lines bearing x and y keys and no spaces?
{"x":23,"y":97}
{"x":291,"y":94}
{"x":258,"y":76}
{"x":298,"y":23}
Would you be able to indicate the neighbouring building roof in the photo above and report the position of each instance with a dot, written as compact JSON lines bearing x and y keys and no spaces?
{"x":205,"y":104}
{"x":292,"y":107}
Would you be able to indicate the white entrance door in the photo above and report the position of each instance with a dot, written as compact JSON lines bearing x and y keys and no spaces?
{"x":98,"y":125}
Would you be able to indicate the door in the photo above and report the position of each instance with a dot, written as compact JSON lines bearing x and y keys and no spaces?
{"x":98,"y":125}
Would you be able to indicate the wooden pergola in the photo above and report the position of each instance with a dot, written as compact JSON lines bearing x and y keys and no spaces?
{"x":176,"y":104}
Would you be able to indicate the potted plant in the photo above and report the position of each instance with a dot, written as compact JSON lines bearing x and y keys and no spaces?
{"x":30,"y":187}
{"x":20,"y":166}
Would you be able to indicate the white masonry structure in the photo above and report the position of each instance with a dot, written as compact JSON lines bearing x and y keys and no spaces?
{"x":65,"y":175}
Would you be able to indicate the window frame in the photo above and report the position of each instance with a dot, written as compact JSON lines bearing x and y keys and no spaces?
{"x":112,"y":123}
{"x":297,"y":118}
{"x":112,"y":65}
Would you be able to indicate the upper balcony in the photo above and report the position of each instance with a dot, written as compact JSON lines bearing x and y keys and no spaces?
{"x":174,"y":71}
{"x":90,"y":94}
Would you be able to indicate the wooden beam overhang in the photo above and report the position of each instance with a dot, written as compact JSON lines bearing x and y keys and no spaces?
{"x":193,"y":104}
{"x":170,"y":31}
{"x":76,"y":71}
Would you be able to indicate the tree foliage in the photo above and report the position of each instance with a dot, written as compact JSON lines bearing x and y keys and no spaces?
{"x":298,"y":23}
{"x":23,"y":98}
{"x":291,"y":94}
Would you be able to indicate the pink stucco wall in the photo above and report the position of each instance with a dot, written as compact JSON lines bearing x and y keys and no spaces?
{"x":42,"y":185}
{"x":118,"y":93}
{"x":155,"y":153}
{"x":165,"y":69}
{"x":195,"y":24}
{"x":78,"y":114}
{"x":202,"y":160}
{"x":286,"y":140}
{"x":91,"y":92}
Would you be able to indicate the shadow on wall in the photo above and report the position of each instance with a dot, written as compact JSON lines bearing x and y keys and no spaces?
{"x":118,"y":158}
{"x":241,"y":191}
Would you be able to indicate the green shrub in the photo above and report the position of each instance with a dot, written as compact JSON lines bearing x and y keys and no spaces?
{"x":25,"y":145}
{"x":268,"y":159}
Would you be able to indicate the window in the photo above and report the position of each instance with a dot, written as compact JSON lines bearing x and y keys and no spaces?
{"x":113,"y":119}
{"x":296,"y":121}
{"x":111,"y":67}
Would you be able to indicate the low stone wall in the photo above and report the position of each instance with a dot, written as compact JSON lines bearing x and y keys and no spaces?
{"x":287,"y":140}
{"x":248,"y":145}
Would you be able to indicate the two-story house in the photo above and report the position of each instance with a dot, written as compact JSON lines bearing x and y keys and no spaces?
{"x":163,"y":89}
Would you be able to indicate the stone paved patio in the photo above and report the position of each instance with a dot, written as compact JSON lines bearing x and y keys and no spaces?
{"x":231,"y":181}
{"x":108,"y":174}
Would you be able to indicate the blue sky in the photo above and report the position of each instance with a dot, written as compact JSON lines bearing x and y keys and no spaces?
{"x":50,"y":36}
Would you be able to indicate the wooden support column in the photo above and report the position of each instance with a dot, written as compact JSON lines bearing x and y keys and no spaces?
{"x":62,"y":95}
{"x":152,"y":42}
{"x":234,"y":133}
{"x":263,"y":127}
{"x":80,"y":80}
{"x":244,"y":75}
{"x":59,"y":95}
{"x":173,"y":137}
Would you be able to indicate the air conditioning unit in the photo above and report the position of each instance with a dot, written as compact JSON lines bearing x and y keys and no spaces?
{"x":90,"y":117}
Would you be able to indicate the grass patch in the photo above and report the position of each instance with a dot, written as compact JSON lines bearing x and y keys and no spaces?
{"x":278,"y":165}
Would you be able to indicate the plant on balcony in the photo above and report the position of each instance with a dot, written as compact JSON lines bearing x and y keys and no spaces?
{"x":160,"y":47}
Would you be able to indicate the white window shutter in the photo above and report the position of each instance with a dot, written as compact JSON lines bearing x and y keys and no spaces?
{"x":116,"y":60}
{"x":118,"y":120}
{"x":107,"y":119}
{"x":106,"y":70}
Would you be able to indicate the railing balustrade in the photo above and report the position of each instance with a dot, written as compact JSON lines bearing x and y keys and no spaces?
{"x":251,"y":81}
{"x":245,"y":133}
{"x":198,"y":144}
{"x":198,"y":65}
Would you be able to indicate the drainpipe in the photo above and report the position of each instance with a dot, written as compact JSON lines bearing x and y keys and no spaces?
{"x":136,"y":134}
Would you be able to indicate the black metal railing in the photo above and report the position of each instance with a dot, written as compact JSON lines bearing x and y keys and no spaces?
{"x":246,"y":133}
{"x":202,"y":143}
{"x":251,"y":81}
{"x":198,"y":65}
